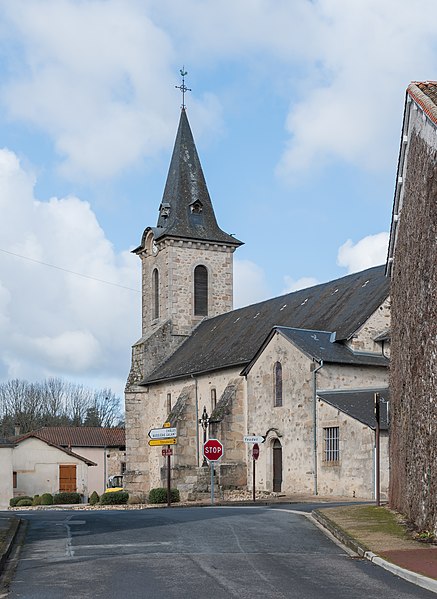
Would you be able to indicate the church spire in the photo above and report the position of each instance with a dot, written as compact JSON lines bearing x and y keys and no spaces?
{"x":186,"y":209}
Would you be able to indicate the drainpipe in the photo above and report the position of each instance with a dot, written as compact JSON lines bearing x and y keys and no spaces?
{"x":196,"y":399}
{"x":315,"y":371}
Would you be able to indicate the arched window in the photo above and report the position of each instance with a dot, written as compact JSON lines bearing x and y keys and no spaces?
{"x":277,"y":384}
{"x":155,"y":294}
{"x":200,"y":291}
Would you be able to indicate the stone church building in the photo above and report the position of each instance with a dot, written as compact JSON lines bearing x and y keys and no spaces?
{"x":301,"y":369}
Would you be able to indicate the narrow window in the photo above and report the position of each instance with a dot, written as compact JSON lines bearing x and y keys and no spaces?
{"x":331,"y":443}
{"x":200,"y":291}
{"x":277,"y":384}
{"x":155,"y":287}
{"x":168,"y":403}
{"x":14,"y":480}
{"x":122,"y":467}
{"x":213,"y":399}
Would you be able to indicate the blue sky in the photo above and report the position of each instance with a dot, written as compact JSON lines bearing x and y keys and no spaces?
{"x":296,"y":109}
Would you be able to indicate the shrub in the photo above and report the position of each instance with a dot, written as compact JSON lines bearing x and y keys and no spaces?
{"x":36,"y":500}
{"x":13,"y":502}
{"x":46,"y":499}
{"x":24,"y":502}
{"x":94,"y":498}
{"x":159,"y":495}
{"x":65,"y":498}
{"x":115,"y":498}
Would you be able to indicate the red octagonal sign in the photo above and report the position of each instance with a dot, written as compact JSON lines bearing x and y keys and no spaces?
{"x":213,"y":450}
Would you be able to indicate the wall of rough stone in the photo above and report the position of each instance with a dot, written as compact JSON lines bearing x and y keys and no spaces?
{"x":378,"y":323}
{"x":413,"y":378}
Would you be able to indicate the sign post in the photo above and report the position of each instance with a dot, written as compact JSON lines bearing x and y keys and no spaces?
{"x":165,"y":436}
{"x":212,"y":451}
{"x":255,"y":456}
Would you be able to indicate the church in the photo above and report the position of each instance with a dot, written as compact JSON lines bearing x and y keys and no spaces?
{"x":301,"y":370}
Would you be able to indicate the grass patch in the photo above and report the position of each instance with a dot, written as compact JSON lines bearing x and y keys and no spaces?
{"x":368,"y":519}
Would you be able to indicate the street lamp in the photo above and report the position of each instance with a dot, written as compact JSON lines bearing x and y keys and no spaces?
{"x":204,"y":423}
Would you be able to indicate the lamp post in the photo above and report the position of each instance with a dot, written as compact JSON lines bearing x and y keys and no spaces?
{"x":204,"y":423}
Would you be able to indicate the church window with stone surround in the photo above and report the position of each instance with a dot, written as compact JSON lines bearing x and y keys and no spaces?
{"x":277,"y":384}
{"x":155,"y":291}
{"x":331,"y":444}
{"x":200,"y":291}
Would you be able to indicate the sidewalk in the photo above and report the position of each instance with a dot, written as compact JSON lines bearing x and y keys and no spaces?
{"x":8,"y":529}
{"x":377,"y":534}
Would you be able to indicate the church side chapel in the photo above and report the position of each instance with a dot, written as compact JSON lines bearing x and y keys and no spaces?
{"x":301,"y":369}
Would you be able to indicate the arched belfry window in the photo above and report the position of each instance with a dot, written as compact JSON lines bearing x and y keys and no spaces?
{"x":155,"y":294}
{"x":277,"y":384}
{"x":200,"y":291}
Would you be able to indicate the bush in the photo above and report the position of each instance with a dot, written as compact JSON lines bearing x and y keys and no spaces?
{"x":115,"y":498}
{"x":94,"y":498}
{"x":46,"y":499}
{"x":13,"y":502}
{"x":24,"y":502}
{"x":65,"y":498}
{"x":159,"y":495}
{"x":36,"y":500}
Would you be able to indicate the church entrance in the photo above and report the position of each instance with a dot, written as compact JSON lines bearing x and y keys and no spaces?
{"x":277,"y":465}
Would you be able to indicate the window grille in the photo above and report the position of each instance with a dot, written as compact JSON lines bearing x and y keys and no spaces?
{"x":331,"y":444}
{"x":277,"y":384}
{"x":200,"y":291}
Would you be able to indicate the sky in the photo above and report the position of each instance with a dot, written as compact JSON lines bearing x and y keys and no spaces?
{"x":296,"y":110}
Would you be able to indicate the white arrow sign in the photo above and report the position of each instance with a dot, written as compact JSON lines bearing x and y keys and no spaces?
{"x":163,"y":433}
{"x":253,"y":439}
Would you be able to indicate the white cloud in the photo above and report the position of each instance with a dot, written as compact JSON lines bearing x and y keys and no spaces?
{"x":367,"y":252}
{"x":294,"y":285}
{"x":54,"y":323}
{"x":250,"y":284}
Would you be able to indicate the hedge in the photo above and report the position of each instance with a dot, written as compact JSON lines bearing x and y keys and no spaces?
{"x":94,"y":498}
{"x":114,"y":498}
{"x":46,"y":499}
{"x":65,"y":498}
{"x":13,"y":502}
{"x":159,"y":495}
{"x":24,"y":502}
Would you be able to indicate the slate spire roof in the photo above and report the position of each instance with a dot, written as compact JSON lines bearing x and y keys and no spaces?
{"x":186,"y":209}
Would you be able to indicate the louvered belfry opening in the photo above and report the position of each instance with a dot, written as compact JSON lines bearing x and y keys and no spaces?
{"x":155,"y":287}
{"x":200,"y":291}
{"x":278,"y":384}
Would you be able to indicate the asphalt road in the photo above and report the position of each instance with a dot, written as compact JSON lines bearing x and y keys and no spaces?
{"x":212,"y":552}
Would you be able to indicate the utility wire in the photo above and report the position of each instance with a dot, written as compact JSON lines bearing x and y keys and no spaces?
{"x":71,"y":272}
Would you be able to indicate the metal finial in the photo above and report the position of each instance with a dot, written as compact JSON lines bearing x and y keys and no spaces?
{"x":183,"y":87}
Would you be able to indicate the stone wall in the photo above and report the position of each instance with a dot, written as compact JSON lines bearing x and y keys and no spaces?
{"x":364,"y":339}
{"x":413,"y":380}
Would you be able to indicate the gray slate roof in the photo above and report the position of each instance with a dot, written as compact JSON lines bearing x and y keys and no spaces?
{"x":232,"y":339}
{"x":185,"y":187}
{"x":318,"y":345}
{"x":359,"y":403}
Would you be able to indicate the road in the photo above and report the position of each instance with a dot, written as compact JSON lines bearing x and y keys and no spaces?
{"x":212,"y":552}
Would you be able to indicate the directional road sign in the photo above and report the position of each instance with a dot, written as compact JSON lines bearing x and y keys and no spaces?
{"x":156,"y":442}
{"x":213,"y":450}
{"x":253,"y":439}
{"x":163,"y":433}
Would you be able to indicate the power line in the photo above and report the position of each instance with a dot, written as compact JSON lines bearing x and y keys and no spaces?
{"x":71,"y":272}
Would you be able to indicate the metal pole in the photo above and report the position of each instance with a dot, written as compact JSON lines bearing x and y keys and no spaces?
{"x":212,"y":482}
{"x":253,"y":479}
{"x":168,"y":477}
{"x":377,"y":451}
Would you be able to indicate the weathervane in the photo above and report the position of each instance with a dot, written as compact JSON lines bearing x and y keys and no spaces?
{"x":183,"y":87}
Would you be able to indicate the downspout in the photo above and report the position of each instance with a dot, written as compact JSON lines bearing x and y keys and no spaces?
{"x":315,"y":371}
{"x":196,"y":401}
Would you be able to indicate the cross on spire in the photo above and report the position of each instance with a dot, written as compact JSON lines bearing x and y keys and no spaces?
{"x":183,"y":87}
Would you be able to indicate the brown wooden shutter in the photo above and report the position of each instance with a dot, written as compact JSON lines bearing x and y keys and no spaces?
{"x":67,"y":478}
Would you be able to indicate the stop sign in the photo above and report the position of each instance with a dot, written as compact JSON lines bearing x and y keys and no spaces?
{"x":213,"y":450}
{"x":255,"y":451}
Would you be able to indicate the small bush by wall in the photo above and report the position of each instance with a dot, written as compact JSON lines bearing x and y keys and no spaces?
{"x":46,"y":499}
{"x":94,"y":498}
{"x":115,"y":498}
{"x":13,"y":502}
{"x":159,"y":495}
{"x":24,"y":502}
{"x":65,"y":498}
{"x":36,"y":500}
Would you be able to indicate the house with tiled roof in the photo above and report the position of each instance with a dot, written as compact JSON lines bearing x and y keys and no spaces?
{"x":412,"y":268}
{"x":211,"y":371}
{"x":104,"y":447}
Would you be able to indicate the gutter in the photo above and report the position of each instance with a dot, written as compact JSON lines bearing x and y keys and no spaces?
{"x":315,"y":371}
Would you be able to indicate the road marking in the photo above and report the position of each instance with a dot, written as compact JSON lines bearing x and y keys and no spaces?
{"x":121,"y":545}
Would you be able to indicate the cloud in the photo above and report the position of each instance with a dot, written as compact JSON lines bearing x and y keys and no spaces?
{"x":294,"y":285}
{"x":54,"y":323}
{"x":250,"y":284}
{"x":367,"y":252}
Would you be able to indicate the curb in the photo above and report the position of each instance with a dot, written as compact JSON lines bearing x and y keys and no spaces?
{"x":418,"y":579}
{"x":14,"y":525}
